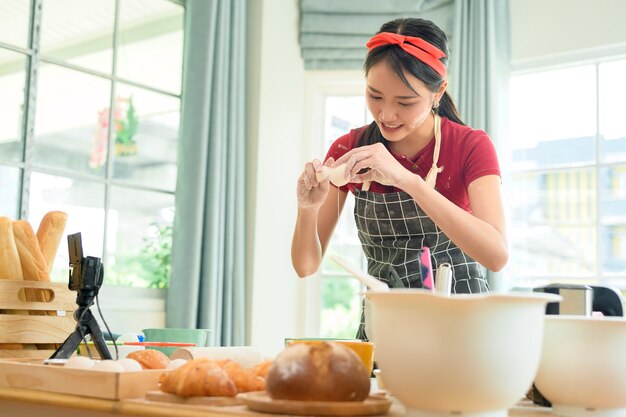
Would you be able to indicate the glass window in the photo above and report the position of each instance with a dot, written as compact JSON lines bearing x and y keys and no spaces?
{"x":340,"y":293}
{"x":612,"y":126}
{"x":71,"y":125}
{"x":613,"y":221}
{"x":14,"y":16}
{"x":552,"y":219}
{"x":12,"y":84}
{"x":146,"y":137}
{"x":151,"y":36}
{"x":139,"y":237}
{"x":10,"y":182}
{"x":79,"y":32}
{"x":567,"y":202}
{"x":83,"y":201}
{"x":553,"y":118}
{"x":103,"y":143}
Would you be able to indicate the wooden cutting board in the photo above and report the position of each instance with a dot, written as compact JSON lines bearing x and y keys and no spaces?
{"x":166,"y":397}
{"x":260,"y":401}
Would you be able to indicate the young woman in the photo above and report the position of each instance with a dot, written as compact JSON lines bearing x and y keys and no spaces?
{"x":420,"y":177}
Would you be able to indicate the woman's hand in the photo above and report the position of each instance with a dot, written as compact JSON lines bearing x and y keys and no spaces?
{"x":381,"y":166}
{"x":311,"y":192}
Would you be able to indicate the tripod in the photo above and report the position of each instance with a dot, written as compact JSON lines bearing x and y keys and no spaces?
{"x":86,"y":323}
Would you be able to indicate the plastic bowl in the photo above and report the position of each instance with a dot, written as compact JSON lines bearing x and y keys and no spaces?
{"x":583,"y":366}
{"x":195,"y":336}
{"x":463,"y":355}
{"x":365,"y":350}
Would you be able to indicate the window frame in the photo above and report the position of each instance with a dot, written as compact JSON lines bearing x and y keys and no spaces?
{"x":34,"y":61}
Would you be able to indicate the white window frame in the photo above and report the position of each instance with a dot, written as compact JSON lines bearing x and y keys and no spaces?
{"x":318,"y":86}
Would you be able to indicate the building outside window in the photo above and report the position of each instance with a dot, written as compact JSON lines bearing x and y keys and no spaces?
{"x":90,"y":106}
{"x":566,"y":163}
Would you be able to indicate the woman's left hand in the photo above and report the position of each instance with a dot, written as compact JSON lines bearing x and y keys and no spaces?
{"x":381,"y":166}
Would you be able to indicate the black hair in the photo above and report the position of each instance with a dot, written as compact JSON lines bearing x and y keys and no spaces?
{"x":400,"y":61}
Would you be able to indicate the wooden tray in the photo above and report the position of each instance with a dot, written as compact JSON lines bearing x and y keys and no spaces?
{"x":160,"y":396}
{"x":260,"y":401}
{"x":32,"y":374}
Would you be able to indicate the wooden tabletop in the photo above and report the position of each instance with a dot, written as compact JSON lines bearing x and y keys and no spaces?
{"x":25,"y":402}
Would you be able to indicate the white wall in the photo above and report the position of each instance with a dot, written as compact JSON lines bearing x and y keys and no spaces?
{"x":276,"y":84}
{"x":558,"y":30}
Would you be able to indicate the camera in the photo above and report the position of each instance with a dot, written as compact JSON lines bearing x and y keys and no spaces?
{"x":85,"y":273}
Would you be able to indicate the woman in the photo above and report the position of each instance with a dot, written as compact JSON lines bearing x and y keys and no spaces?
{"x":420,"y":177}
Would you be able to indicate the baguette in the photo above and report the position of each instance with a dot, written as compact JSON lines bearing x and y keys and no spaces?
{"x":49,"y":235}
{"x":10,"y":267}
{"x":34,"y":267}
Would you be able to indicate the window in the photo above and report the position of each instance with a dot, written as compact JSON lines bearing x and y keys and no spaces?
{"x":339,"y":105}
{"x":90,"y":106}
{"x":566,"y":176}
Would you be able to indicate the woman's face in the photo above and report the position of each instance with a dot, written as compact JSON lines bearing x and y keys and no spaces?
{"x":398,"y":111}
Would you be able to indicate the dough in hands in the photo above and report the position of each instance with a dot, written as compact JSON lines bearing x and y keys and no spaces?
{"x":336,"y":175}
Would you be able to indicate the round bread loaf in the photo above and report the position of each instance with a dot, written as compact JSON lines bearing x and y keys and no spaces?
{"x":150,"y":358}
{"x":324,"y":371}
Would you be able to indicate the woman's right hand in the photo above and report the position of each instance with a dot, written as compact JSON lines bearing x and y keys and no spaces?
{"x":311,"y":192}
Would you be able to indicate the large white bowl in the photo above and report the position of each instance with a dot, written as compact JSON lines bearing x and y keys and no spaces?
{"x":583,"y":366}
{"x":470,"y":355}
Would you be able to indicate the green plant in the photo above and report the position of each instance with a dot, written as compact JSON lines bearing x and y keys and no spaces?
{"x":156,"y":255}
{"x":127,"y":127}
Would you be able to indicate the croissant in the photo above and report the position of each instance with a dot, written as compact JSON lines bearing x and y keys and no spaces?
{"x":245,"y":379}
{"x":261,"y":369}
{"x":199,"y":377}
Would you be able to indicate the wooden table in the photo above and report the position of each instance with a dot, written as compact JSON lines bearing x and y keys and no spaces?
{"x":22,"y":402}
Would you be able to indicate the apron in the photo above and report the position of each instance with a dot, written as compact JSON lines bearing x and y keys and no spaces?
{"x":393,"y":229}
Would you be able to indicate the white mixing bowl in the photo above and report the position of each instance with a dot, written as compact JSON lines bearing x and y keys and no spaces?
{"x":583,"y":366}
{"x":470,"y":355}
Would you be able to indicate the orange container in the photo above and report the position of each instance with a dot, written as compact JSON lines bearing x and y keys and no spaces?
{"x":365,"y":350}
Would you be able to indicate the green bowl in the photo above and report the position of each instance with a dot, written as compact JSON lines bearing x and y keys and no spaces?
{"x":197,"y":336}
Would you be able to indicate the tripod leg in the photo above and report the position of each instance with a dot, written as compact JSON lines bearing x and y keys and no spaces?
{"x":96,"y":336}
{"x":68,"y":347}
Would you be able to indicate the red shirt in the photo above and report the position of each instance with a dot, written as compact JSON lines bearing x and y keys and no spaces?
{"x":465,"y":155}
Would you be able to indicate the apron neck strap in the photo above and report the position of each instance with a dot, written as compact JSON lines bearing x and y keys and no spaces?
{"x":431,"y":177}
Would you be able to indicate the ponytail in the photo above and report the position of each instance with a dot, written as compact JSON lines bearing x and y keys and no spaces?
{"x":447,"y":109}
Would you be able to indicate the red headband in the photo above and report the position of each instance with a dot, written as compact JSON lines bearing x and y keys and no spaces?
{"x":418,"y":47}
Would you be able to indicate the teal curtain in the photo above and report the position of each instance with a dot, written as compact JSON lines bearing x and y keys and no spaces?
{"x":207,"y":286}
{"x":333,"y":33}
{"x":480,"y":57}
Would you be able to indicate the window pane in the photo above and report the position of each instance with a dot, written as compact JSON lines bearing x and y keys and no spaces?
{"x":342,"y":115}
{"x":552,"y":118}
{"x":79,"y":32}
{"x":83,"y":201}
{"x":341,"y":307}
{"x":72,"y":120}
{"x":139,"y":237}
{"x":14,"y":15}
{"x":146,"y":137}
{"x":613,"y":219}
{"x":151,"y":43}
{"x":341,"y":295}
{"x":10,"y":180}
{"x":612,"y":126}
{"x":553,"y":228}
{"x":12,"y":84}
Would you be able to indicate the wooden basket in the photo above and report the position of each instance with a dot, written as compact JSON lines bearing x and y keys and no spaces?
{"x":35,"y":325}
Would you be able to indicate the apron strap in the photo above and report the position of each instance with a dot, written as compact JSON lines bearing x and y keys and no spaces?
{"x":431,"y":177}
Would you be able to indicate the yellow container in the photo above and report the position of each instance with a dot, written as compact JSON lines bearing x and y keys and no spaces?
{"x":365,"y":350}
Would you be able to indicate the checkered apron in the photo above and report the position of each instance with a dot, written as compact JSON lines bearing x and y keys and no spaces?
{"x":393,"y":228}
